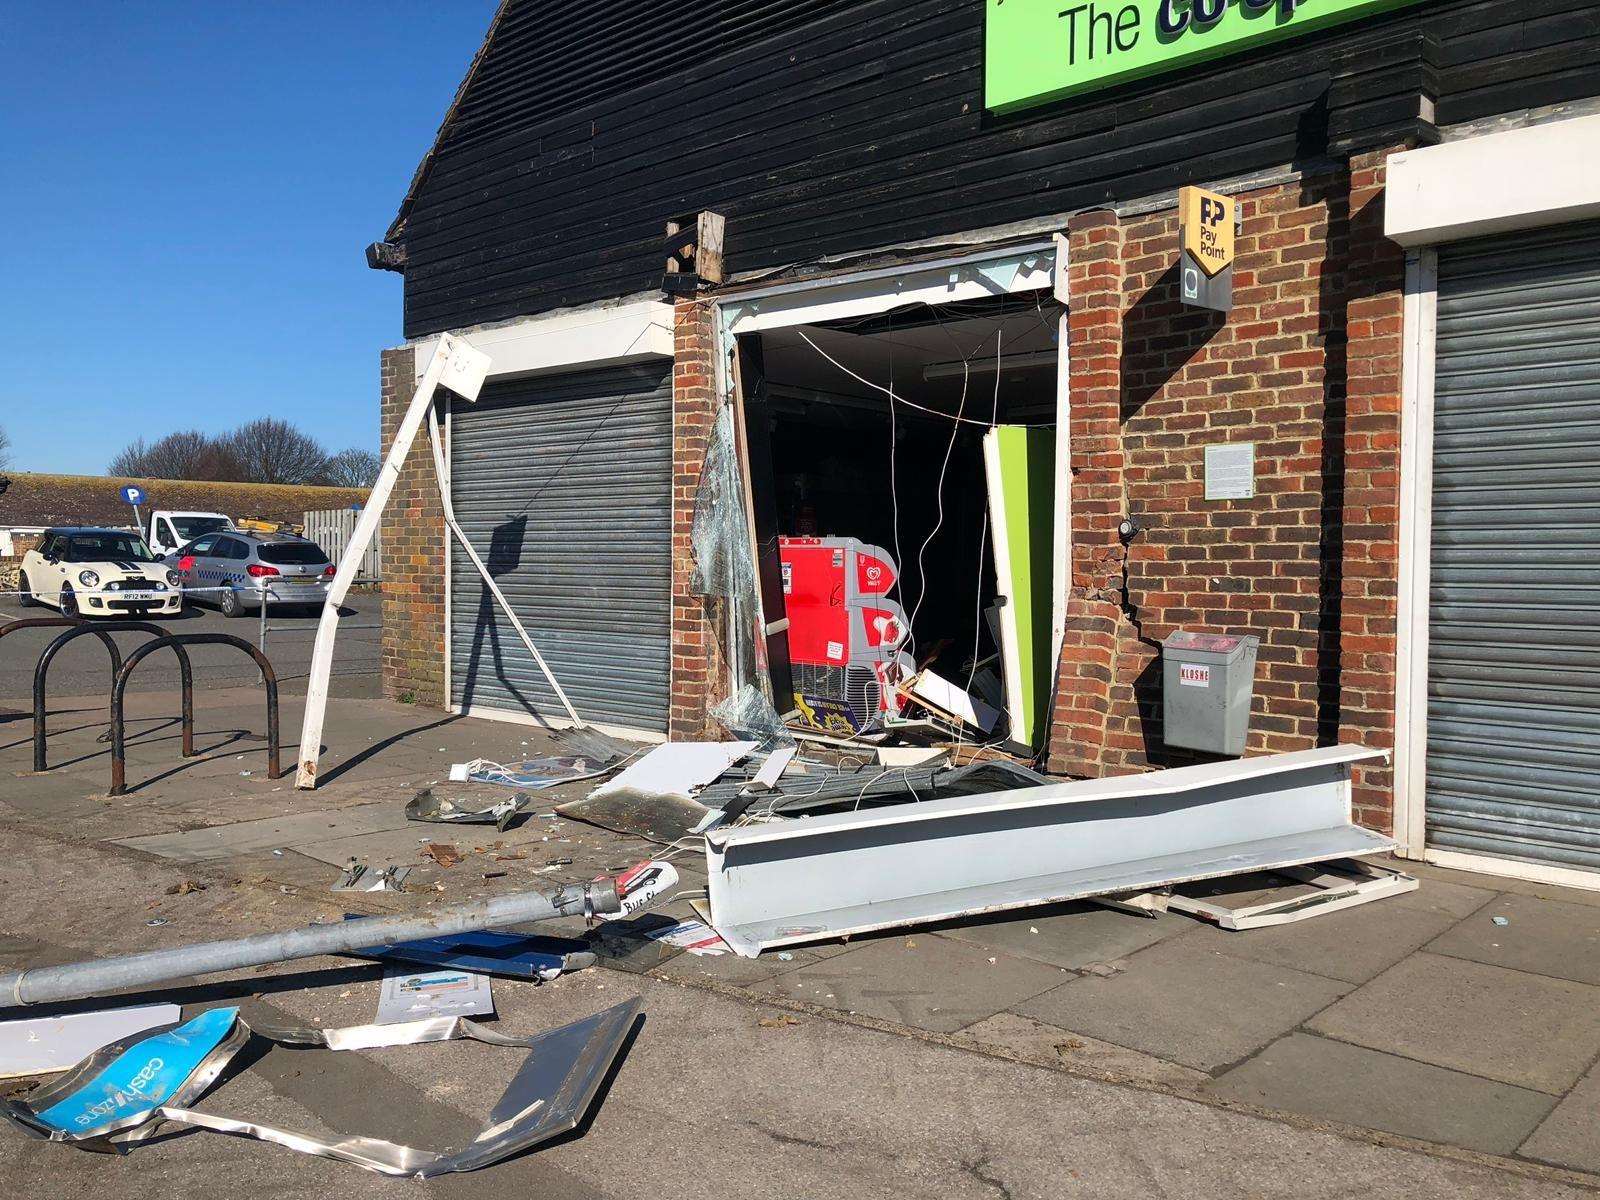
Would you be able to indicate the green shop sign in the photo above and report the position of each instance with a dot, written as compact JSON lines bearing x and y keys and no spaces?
{"x":1039,"y":50}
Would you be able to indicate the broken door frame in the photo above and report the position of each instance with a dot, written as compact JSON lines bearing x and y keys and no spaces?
{"x":1027,"y":267}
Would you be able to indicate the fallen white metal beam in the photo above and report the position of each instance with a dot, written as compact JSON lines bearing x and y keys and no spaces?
{"x":454,"y":365}
{"x":826,"y":876}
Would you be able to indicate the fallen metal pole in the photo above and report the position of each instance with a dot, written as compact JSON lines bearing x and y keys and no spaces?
{"x":87,"y":980}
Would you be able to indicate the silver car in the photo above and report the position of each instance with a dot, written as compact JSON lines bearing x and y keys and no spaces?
{"x":239,"y":572}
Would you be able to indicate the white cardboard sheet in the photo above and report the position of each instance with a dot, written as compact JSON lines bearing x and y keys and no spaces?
{"x":676,"y":770}
{"x":40,"y":1045}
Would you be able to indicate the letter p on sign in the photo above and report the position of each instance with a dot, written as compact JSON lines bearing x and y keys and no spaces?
{"x":1207,"y":222}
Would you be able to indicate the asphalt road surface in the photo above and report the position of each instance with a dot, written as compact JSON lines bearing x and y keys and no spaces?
{"x":81,"y":668}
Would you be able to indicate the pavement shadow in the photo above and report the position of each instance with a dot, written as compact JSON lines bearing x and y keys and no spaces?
{"x":197,"y":996}
{"x":211,"y":753}
{"x":377,"y":748}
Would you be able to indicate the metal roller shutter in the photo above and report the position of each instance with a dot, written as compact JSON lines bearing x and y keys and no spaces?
{"x":1513,"y":765}
{"x":564,"y":485}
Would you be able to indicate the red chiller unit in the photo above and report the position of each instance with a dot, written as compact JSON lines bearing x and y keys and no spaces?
{"x":845,"y":632}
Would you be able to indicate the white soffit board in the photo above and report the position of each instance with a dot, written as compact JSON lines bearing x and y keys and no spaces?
{"x":610,"y":335}
{"x":813,"y":877}
{"x":808,"y":302}
{"x":1518,"y":179}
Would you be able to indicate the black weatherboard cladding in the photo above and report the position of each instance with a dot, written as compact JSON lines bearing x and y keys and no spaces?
{"x":828,"y":128}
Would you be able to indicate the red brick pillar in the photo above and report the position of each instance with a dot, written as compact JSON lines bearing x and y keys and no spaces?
{"x":1375,"y":319}
{"x":694,"y":407}
{"x":1089,"y":651}
{"x":413,"y":538}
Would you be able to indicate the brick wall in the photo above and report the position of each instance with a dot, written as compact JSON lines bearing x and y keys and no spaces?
{"x":11,"y":564}
{"x":1306,"y":367}
{"x":695,"y":659}
{"x":413,"y":536}
{"x":1369,"y":584}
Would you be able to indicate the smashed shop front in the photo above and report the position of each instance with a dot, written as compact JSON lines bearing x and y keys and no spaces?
{"x":962,"y":363}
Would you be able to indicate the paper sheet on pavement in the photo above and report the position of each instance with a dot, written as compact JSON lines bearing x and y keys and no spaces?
{"x":420,"y":995}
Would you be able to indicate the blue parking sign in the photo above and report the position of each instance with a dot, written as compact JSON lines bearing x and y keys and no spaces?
{"x":132,"y":495}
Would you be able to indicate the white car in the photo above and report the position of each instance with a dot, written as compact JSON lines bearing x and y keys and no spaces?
{"x":98,"y":573}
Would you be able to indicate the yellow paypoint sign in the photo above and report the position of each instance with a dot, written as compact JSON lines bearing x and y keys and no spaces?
{"x":1205,"y":228}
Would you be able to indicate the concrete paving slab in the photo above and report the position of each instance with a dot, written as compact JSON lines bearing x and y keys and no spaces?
{"x":1546,"y":937}
{"x":1068,"y":935}
{"x":1049,"y":1045}
{"x":304,"y":831}
{"x":1188,"y":1004}
{"x":1497,"y":883}
{"x":1450,"y":893}
{"x":1528,"y":1030}
{"x":1336,"y":1081}
{"x":1353,"y":945}
{"x":926,"y":981}
{"x":731,"y":968}
{"x":1570,"y":1136}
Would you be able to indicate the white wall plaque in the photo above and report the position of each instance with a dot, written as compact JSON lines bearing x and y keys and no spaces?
{"x":1231,"y":471}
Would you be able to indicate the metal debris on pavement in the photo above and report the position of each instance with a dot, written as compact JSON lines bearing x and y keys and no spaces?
{"x":358,"y":877}
{"x":528,"y":956}
{"x":124,"y":1092}
{"x":536,"y":774}
{"x":425,"y":806}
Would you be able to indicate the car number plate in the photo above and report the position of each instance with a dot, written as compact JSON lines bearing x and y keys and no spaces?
{"x":301,"y":579}
{"x":138,"y":596}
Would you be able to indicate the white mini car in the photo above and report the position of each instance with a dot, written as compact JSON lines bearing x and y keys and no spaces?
{"x":98,"y":573}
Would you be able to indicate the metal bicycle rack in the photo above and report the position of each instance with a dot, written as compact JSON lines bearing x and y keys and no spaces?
{"x":21,"y":623}
{"x":77,"y":628}
{"x":178,"y":641}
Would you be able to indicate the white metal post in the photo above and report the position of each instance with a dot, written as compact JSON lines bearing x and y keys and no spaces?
{"x":461,"y":368}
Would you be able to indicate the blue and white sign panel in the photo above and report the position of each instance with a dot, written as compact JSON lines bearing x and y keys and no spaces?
{"x":132,"y":495}
{"x":139,"y":1079}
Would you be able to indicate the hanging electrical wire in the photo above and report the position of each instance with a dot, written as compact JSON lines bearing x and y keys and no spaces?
{"x":983,"y":539}
{"x":944,"y":470}
{"x":878,"y":387}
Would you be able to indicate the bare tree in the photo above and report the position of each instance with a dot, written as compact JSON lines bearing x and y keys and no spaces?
{"x":269,"y":450}
{"x":188,"y":454}
{"x":132,"y":462}
{"x":5,"y":449}
{"x":353,"y":468}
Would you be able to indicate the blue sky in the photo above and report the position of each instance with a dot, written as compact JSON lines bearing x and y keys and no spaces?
{"x":187,"y":191}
